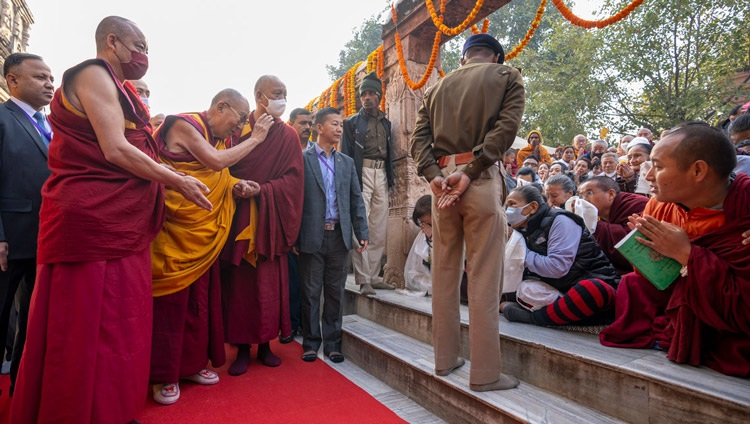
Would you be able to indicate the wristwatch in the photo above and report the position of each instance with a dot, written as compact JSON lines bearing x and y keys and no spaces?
{"x":684,"y":271}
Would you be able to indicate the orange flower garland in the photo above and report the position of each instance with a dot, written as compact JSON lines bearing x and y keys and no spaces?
{"x":575,"y":20}
{"x":530,"y":33}
{"x":402,"y":61}
{"x":335,"y":93}
{"x":351,"y":97}
{"x":438,"y":20}
{"x":380,"y":72}
{"x":485,"y":27}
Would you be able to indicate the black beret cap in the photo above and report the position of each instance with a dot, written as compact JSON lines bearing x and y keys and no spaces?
{"x":484,"y":40}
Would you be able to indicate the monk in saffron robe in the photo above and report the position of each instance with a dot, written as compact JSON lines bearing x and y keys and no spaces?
{"x":89,"y":332}
{"x":255,"y":298}
{"x":187,"y":292}
{"x":696,"y":217}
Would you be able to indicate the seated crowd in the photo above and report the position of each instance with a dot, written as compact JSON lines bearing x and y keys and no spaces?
{"x":686,"y":192}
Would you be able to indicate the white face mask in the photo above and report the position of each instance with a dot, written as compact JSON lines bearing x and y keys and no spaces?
{"x":514,"y":215}
{"x":275,"y":107}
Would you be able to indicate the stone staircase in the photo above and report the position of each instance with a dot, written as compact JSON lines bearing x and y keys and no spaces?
{"x":566,"y":377}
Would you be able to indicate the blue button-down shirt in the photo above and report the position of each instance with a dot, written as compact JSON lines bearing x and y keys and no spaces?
{"x":327,"y":168}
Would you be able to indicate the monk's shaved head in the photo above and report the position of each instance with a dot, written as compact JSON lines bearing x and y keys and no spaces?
{"x":117,"y":25}
{"x":694,"y":141}
{"x":229,"y":95}
{"x":265,"y":81}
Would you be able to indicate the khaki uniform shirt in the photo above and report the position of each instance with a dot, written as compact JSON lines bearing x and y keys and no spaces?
{"x":476,"y":108}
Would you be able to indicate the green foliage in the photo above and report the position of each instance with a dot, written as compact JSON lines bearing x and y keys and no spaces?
{"x":668,"y":61}
{"x":365,"y":40}
{"x":563,"y":87}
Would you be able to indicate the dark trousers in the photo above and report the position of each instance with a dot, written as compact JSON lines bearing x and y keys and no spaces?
{"x":295,"y":291}
{"x":324,"y":271}
{"x":16,"y":283}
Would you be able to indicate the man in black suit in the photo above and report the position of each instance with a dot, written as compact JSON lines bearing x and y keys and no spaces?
{"x":24,"y":136}
{"x":333,"y":208}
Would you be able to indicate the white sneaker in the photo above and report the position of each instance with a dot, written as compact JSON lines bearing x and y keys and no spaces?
{"x":166,"y":394}
{"x":204,"y":377}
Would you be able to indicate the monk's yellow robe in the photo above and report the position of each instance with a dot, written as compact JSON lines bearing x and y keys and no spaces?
{"x":192,"y":238}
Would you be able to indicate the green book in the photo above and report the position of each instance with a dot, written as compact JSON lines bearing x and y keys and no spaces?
{"x":660,"y":270}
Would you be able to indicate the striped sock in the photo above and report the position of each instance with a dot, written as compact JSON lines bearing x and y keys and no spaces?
{"x":582,"y":301}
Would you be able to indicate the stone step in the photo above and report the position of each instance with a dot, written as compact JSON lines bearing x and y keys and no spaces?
{"x":634,"y":385}
{"x":407,"y":365}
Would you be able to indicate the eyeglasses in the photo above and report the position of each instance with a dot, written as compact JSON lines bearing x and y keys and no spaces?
{"x":243,"y":117}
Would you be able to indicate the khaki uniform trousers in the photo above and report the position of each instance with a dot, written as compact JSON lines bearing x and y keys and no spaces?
{"x":478,"y":221}
{"x":375,"y":195}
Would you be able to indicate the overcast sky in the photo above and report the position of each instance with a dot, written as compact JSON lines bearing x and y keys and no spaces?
{"x":197,"y":48}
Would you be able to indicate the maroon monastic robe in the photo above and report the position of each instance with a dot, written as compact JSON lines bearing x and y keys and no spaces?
{"x":188,"y":330}
{"x":256,"y":299}
{"x":89,"y":333}
{"x":703,"y":318}
{"x":609,"y":233}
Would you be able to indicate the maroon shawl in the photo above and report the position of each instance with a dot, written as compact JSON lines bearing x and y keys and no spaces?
{"x":92,"y":209}
{"x":609,"y":233}
{"x":706,"y":316}
{"x":276,"y":164}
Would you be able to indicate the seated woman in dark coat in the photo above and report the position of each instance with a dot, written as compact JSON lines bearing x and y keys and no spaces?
{"x":564,"y":257}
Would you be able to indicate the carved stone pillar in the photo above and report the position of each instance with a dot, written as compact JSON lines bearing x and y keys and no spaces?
{"x":402,"y":105}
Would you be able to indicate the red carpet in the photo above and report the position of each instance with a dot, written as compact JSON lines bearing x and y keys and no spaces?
{"x":297,"y":391}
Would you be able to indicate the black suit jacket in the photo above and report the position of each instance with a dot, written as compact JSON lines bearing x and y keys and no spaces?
{"x":352,"y":217}
{"x":23,"y":171}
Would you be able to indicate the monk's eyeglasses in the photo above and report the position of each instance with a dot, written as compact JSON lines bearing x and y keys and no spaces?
{"x":243,"y":117}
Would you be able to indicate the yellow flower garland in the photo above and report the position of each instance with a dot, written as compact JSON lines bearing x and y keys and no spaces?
{"x":530,"y":33}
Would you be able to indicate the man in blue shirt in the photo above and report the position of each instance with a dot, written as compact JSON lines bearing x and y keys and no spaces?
{"x":333,"y":211}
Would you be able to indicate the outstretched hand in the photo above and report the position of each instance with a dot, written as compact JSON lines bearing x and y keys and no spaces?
{"x":193,"y":190}
{"x":262,"y":125}
{"x":453,"y":186}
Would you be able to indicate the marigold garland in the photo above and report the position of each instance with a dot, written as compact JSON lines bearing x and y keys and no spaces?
{"x":485,"y":27}
{"x":335,"y":93}
{"x":309,"y":106}
{"x":402,"y":61}
{"x":584,"y":23}
{"x":438,"y":20}
{"x":530,"y":33}
{"x":380,"y":72}
{"x":351,"y":93}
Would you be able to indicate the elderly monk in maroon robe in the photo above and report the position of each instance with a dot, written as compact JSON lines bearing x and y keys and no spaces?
{"x":188,"y":328}
{"x":254,"y":275}
{"x":614,"y":207}
{"x":89,"y":332}
{"x":697,"y":216}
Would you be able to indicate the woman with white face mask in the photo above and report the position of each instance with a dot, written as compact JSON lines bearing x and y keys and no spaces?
{"x":562,"y":258}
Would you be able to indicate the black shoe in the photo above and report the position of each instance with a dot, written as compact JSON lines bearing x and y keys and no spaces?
{"x":287,"y":340}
